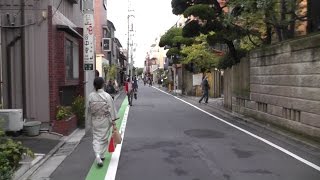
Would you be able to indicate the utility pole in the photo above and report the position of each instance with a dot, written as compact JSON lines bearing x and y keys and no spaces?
{"x":88,"y":51}
{"x":130,"y":46}
{"x":128,"y":41}
{"x":1,"y":89}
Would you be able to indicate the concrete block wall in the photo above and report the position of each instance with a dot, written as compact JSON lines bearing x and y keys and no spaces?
{"x":285,"y":85}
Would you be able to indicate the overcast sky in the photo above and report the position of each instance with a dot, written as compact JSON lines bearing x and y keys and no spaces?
{"x":152,"y":18}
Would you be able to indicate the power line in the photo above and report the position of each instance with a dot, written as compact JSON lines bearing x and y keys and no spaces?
{"x":57,"y":8}
{"x":20,"y":9}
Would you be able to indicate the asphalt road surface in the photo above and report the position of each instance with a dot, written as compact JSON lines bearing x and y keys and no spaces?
{"x":167,"y":139}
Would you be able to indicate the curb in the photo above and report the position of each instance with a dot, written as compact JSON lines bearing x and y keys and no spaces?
{"x":33,"y":169}
{"x":36,"y":166}
{"x":245,"y":120}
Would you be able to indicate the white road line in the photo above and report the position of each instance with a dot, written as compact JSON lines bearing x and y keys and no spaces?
{"x":113,"y":166}
{"x":251,"y":134}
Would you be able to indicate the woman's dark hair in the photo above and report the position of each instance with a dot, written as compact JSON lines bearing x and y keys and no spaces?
{"x":97,"y":74}
{"x":98,"y":83}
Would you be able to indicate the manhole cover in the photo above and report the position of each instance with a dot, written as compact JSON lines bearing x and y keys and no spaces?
{"x":204,"y":133}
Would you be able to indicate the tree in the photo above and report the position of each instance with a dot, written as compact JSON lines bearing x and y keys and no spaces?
{"x":173,"y":40}
{"x":250,"y":24}
{"x":139,"y":71}
{"x":199,"y":55}
{"x":110,"y":72}
{"x":207,"y":16}
{"x":278,"y":16}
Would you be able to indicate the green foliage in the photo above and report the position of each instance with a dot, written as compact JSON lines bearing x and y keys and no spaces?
{"x":113,"y":72}
{"x":227,"y":61}
{"x":207,"y":16}
{"x":139,"y":71}
{"x":173,"y":52}
{"x":173,"y":38}
{"x":63,"y":112}
{"x":191,"y":29}
{"x":11,"y":152}
{"x":249,"y":24}
{"x":267,"y":17}
{"x":203,"y":11}
{"x":6,"y":171}
{"x":166,"y":79}
{"x":247,"y":43}
{"x":78,"y":108}
{"x":200,"y":55}
{"x":110,"y":71}
{"x":179,"y":6}
{"x":160,"y":72}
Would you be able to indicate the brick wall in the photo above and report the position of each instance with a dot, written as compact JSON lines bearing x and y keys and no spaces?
{"x":57,"y":77}
{"x":100,"y":19}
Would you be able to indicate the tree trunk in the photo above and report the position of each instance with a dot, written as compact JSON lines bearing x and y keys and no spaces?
{"x":282,"y":27}
{"x":279,"y":33}
{"x":292,"y":26}
{"x":268,"y":38}
{"x":309,"y":14}
{"x":233,"y":51}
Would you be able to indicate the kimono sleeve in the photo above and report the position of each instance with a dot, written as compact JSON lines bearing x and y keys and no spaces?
{"x":88,"y":121}
{"x":113,"y":110}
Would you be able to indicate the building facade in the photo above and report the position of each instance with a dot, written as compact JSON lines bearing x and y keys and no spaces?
{"x":100,"y":32}
{"x":41,"y":56}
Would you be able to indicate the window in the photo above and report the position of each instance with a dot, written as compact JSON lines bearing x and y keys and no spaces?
{"x":72,"y":60}
{"x":105,"y":33}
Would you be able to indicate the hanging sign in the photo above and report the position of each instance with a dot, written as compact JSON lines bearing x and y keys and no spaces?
{"x":88,"y":37}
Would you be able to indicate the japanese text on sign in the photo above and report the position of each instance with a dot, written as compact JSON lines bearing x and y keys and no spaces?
{"x":88,"y":55}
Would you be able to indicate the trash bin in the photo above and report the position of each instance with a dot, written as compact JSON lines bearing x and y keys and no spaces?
{"x":32,"y":128}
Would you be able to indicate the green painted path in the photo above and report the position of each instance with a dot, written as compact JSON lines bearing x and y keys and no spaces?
{"x":95,"y":172}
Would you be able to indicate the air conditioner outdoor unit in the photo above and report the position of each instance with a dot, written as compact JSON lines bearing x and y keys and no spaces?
{"x":11,"y":119}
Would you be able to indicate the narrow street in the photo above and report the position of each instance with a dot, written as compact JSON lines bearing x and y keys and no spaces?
{"x":166,"y":138}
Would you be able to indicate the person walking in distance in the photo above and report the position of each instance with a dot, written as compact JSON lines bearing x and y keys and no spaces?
{"x":205,"y":89}
{"x":128,"y":89}
{"x":135,"y":86}
{"x":101,"y":114}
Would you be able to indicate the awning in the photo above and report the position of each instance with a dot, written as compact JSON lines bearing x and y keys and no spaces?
{"x":69,"y":30}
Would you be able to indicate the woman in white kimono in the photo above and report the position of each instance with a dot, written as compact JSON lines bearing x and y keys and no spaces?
{"x":101,"y":114}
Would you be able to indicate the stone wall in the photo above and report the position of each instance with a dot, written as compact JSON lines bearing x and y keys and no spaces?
{"x":237,"y":85}
{"x":284,"y":85}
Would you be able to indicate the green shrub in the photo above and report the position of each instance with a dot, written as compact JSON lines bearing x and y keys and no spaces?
{"x":63,"y":112}
{"x":6,"y":172}
{"x":78,"y":108}
{"x":11,"y":152}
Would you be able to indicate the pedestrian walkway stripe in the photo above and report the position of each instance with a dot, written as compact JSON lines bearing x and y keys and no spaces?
{"x":113,"y":166}
{"x":251,"y":134}
{"x":96,"y":173}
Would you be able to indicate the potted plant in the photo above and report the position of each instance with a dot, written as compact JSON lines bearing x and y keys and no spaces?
{"x":65,"y":122}
{"x":78,"y":108}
